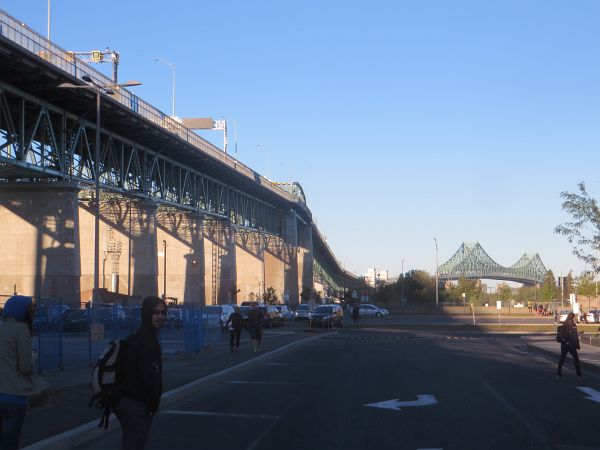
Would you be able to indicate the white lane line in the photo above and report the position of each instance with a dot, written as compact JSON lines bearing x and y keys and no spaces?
{"x":220,"y":414}
{"x":530,"y":427}
{"x":267,"y":430}
{"x":267,"y":382}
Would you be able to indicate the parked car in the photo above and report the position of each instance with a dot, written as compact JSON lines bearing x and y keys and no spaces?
{"x":174,"y":318}
{"x":303,"y":312}
{"x":562,"y":314}
{"x":368,"y":310}
{"x":327,"y":316}
{"x":217,"y":315}
{"x":285,"y":312}
{"x":270,"y":315}
{"x":593,"y":316}
{"x":76,"y":320}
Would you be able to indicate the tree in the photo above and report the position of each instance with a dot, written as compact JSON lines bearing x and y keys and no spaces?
{"x":269,"y":296}
{"x":583,"y":233}
{"x":586,"y":285}
{"x":549,"y":291}
{"x":504,"y":291}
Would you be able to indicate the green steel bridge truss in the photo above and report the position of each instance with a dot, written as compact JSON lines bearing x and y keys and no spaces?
{"x":41,"y":142}
{"x":472,"y":261}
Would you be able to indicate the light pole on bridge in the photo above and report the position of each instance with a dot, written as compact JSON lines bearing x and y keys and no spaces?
{"x":437,"y":297}
{"x":99,"y":89}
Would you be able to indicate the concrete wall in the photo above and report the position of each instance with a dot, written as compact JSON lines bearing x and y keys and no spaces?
{"x":250,"y":267}
{"x":39,"y":228}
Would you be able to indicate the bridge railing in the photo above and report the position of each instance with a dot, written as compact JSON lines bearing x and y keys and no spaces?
{"x":37,"y":44}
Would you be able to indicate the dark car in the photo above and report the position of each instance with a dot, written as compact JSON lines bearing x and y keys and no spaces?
{"x":76,"y":320}
{"x":270,"y":315}
{"x":328,"y":316}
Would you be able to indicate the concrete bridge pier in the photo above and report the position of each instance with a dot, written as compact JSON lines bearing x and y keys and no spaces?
{"x":39,"y":228}
{"x":180,"y":251}
{"x":305,"y":256}
{"x":250,"y":268}
{"x":219,"y":262}
{"x":275,"y":264}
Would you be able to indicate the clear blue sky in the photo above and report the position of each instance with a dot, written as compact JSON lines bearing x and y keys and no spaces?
{"x":403,"y":120}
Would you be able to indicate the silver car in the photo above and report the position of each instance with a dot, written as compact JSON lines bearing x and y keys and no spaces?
{"x":303,"y":312}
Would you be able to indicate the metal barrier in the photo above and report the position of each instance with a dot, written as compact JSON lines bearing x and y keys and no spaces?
{"x":69,"y":338}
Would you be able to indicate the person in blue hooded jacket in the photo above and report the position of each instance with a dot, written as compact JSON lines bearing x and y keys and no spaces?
{"x":18,"y":381}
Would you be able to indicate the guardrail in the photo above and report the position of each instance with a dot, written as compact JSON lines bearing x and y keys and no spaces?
{"x":37,"y":44}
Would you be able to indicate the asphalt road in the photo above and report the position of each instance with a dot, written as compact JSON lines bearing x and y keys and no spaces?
{"x":477,"y":392}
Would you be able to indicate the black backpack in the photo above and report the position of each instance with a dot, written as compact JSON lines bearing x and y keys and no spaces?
{"x":561,"y":334}
{"x":106,"y":379}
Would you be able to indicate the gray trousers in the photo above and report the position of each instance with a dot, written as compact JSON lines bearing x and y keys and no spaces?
{"x":135,"y":423}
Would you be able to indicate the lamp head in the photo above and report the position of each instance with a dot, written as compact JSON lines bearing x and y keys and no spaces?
{"x":86,"y":78}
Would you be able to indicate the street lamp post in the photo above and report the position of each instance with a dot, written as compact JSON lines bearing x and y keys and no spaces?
{"x":437,"y":296}
{"x":98,"y":89}
{"x":164,"y":270}
{"x":172,"y":66}
{"x":402,"y":296}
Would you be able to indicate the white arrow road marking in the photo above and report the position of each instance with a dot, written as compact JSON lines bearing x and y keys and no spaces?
{"x":213,"y":413}
{"x":593,"y":394}
{"x":422,"y":400}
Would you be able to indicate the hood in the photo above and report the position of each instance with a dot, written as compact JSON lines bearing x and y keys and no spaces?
{"x":148,"y":306}
{"x":16,"y":307}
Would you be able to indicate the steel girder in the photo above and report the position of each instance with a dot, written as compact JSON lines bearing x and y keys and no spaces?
{"x":40,"y":141}
{"x":472,"y":261}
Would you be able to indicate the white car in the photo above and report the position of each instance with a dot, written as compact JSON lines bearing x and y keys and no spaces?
{"x":562,"y":314}
{"x":285,"y":312}
{"x":369,"y":310}
{"x":593,"y":316}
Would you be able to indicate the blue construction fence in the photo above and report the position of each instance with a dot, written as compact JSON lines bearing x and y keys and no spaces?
{"x":66,"y":337}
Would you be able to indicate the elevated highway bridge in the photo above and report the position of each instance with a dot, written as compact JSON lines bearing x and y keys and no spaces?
{"x":177,"y":216}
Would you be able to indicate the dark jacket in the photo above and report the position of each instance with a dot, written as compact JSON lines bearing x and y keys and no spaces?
{"x":236,"y":320}
{"x":141,"y":373}
{"x":570,"y":336}
{"x":255,"y":318}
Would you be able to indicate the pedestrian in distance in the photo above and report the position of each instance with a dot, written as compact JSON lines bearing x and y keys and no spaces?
{"x":140,"y":376}
{"x":235,"y":324}
{"x":569,"y":343}
{"x":255,"y":319}
{"x":18,"y":380}
{"x":355,"y":313}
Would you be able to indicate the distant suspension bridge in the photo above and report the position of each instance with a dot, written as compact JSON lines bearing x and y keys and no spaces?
{"x":472,"y":261}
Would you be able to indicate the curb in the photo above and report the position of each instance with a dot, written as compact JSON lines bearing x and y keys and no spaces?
{"x":90,"y":431}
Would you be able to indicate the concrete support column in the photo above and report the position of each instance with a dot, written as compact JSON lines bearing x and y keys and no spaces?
{"x":220,"y":262}
{"x":180,"y":249}
{"x":144,"y":251}
{"x":276,"y":263}
{"x":250,"y":270}
{"x":39,"y":228}
{"x":292,"y":286}
{"x":305,"y":256}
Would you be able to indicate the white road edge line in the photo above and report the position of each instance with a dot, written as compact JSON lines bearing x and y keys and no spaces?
{"x":267,"y":382}
{"x":521,"y":418}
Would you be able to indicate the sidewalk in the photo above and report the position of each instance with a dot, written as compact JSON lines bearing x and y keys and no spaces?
{"x":65,"y":406}
{"x":589,"y":355}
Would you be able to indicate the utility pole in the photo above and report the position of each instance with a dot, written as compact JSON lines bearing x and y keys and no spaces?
{"x":437,"y":298}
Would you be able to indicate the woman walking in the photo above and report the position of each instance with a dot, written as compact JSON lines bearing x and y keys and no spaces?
{"x":17,"y":378}
{"x":569,"y":344}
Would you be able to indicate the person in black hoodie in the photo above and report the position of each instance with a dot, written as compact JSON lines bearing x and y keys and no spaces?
{"x":569,"y":344}
{"x":141,"y":376}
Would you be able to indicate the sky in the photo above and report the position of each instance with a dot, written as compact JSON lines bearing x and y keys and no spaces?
{"x":403,"y":120}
